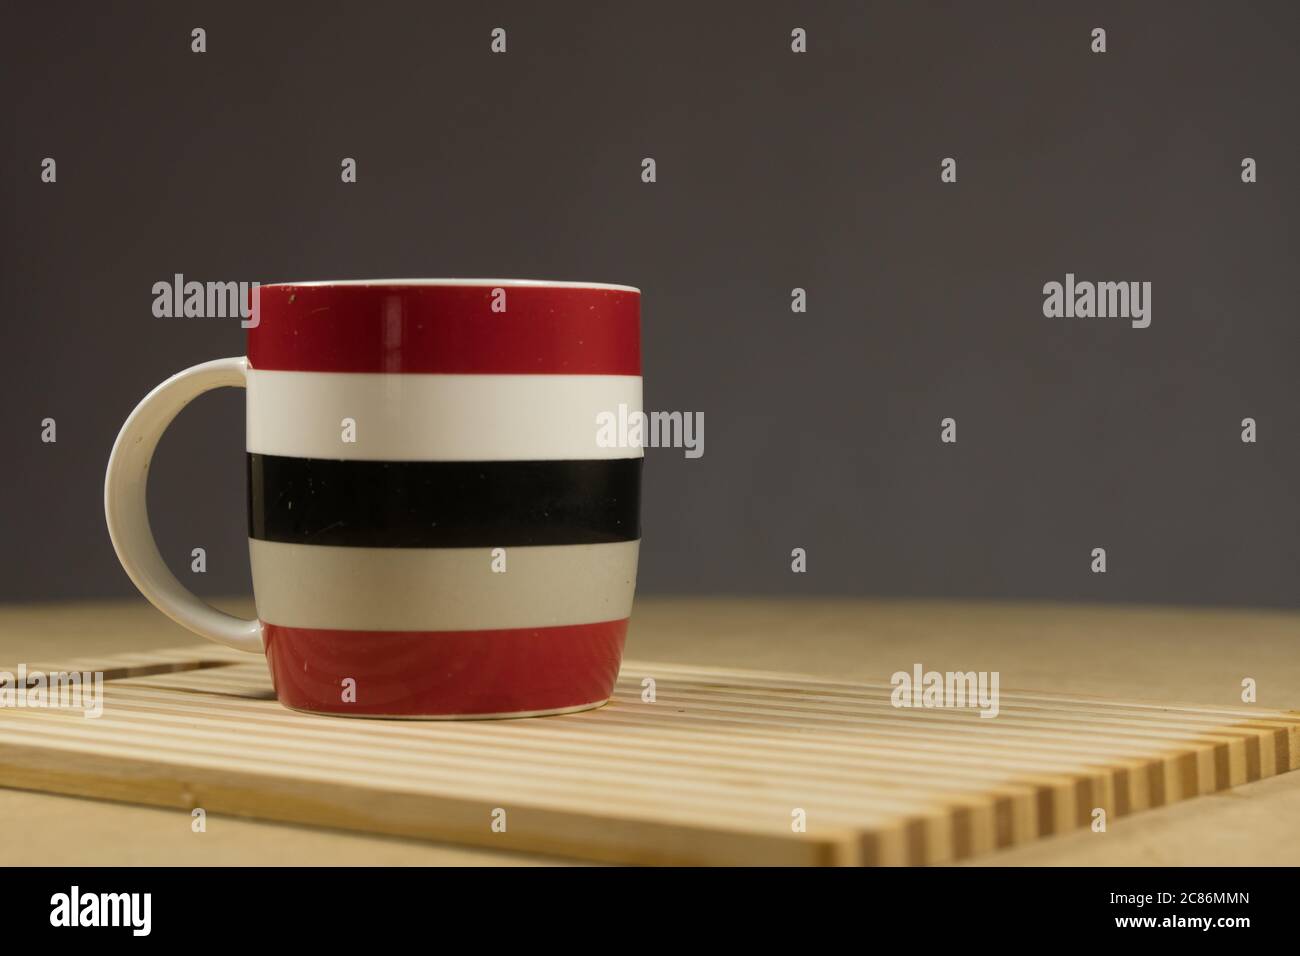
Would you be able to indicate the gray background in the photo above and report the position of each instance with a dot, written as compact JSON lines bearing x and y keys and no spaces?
{"x":775,"y":171}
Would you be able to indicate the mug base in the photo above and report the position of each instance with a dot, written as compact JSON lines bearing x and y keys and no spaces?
{"x":506,"y":715}
{"x":445,"y":675}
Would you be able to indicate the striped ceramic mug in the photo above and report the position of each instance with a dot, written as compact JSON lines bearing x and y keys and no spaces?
{"x":434,"y":528}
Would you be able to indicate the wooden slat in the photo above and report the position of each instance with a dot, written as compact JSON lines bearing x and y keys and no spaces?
{"x":710,"y":772}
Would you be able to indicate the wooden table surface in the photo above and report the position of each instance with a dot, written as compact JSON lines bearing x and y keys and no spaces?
{"x":1158,"y":654}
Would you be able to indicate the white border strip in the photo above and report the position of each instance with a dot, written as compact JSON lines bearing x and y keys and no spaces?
{"x":456,"y":283}
{"x":441,"y":589}
{"x":435,"y":417}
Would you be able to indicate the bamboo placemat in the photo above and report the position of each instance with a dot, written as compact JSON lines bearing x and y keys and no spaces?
{"x":721,"y":768}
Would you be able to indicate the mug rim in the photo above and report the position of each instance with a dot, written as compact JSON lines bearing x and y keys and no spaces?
{"x":453,"y":283}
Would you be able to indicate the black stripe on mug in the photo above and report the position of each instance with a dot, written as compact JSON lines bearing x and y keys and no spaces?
{"x":443,"y":504}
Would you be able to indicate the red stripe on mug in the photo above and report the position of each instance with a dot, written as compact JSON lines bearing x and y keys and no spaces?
{"x":518,"y":671}
{"x":447,"y":329}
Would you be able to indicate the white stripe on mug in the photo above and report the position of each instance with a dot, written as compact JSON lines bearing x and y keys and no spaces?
{"x":435,"y":417}
{"x":442,"y":589}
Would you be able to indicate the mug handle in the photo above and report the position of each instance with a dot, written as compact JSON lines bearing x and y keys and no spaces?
{"x":126,"y":508}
